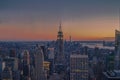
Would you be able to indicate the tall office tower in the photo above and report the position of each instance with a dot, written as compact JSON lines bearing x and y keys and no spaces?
{"x":78,"y":67}
{"x":117,"y":50}
{"x":110,"y":62}
{"x":44,"y":52}
{"x":26,"y":57}
{"x":7,"y":74}
{"x":59,"y":57}
{"x":26,"y":65}
{"x":39,"y":68}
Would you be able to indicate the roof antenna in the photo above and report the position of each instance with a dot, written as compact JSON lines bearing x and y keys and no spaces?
{"x":60,"y":28}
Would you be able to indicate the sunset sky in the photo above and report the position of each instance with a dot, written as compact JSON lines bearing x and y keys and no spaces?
{"x":39,"y":19}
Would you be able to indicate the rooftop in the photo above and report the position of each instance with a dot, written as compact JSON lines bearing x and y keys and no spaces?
{"x":78,"y":56}
{"x":112,"y":74}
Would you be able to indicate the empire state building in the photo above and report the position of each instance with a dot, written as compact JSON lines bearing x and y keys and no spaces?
{"x":60,"y":58}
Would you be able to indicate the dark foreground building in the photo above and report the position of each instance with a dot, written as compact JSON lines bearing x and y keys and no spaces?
{"x":111,"y":75}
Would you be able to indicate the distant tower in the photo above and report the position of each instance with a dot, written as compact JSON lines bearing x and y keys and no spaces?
{"x":39,"y":68}
{"x":26,"y":65}
{"x":60,"y":58}
{"x":117,"y":50}
{"x":26,"y":57}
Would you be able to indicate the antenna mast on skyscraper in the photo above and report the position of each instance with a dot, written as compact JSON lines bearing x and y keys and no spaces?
{"x":60,"y":28}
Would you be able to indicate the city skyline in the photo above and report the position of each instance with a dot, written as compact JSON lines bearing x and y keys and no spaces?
{"x":39,"y":19}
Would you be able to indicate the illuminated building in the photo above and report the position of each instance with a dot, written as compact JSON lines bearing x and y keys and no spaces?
{"x":46,"y":68}
{"x":78,"y":67}
{"x":46,"y":65}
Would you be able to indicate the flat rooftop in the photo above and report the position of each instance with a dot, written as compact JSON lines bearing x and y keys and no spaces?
{"x":78,"y":56}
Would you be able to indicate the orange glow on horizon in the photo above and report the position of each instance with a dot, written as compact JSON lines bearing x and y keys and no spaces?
{"x":89,"y":29}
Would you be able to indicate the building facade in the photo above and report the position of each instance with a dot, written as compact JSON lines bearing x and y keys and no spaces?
{"x":78,"y":67}
{"x":117,"y":50}
{"x":39,"y":73}
{"x":26,"y":65}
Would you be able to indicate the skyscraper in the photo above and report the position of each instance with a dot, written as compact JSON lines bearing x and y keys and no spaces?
{"x":59,"y":57}
{"x":26,"y":65}
{"x":78,"y":67}
{"x":26,"y":57}
{"x":114,"y":74}
{"x":117,"y":40}
{"x":39,"y":68}
{"x":117,"y":50}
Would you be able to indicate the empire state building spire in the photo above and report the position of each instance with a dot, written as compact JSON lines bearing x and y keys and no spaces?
{"x":60,"y":28}
{"x":60,"y":33}
{"x":59,"y":56}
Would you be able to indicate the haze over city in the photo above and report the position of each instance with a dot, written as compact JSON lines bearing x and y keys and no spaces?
{"x":39,"y":19}
{"x":59,"y":39}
